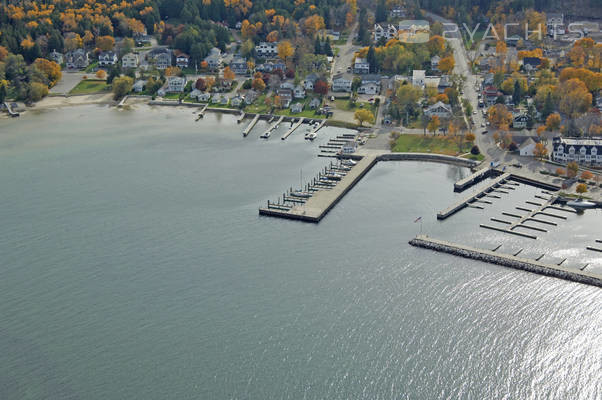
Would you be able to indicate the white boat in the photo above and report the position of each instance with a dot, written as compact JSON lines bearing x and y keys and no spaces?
{"x":310,"y":135}
{"x":300,"y":194}
{"x":581,"y":204}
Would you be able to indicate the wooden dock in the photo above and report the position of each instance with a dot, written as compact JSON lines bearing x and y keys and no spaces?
{"x":247,"y":130}
{"x":240,"y":117}
{"x":463,"y":203}
{"x":272,"y":127}
{"x":10,"y":111}
{"x":316,"y":207}
{"x":507,"y":260}
{"x":293,"y":128}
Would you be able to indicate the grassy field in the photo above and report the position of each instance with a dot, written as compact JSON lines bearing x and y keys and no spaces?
{"x":90,"y":86}
{"x":344,"y":104}
{"x":258,"y":106}
{"x":430,"y":144}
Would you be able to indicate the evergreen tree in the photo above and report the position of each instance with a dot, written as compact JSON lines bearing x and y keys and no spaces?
{"x":317,"y":46}
{"x":548,"y":106}
{"x":371,"y":58}
{"x":516,"y":95}
{"x":328,"y":48}
{"x":381,"y":11}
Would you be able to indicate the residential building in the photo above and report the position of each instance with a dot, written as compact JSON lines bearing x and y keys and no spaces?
{"x":531,"y":63}
{"x":490,"y":95}
{"x":107,"y":58}
{"x":554,"y":19}
{"x":439,"y":109}
{"x":239,"y":66}
{"x":250,"y":96}
{"x":236,"y":101}
{"x":266,"y":49}
{"x":77,"y":59}
{"x":214,"y":59}
{"x":361,"y":66}
{"x":342,"y":83}
{"x":369,"y":88}
{"x":175,"y":84}
{"x":527,"y":147}
{"x":56,"y":57}
{"x":387,"y":32}
{"x":418,"y":78}
{"x":444,"y":83}
{"x":309,"y":82}
{"x":519,"y":121}
{"x":139,"y":86}
{"x":299,"y":92}
{"x":582,"y":151}
{"x":161,"y":57}
{"x":286,"y":96}
{"x":435,"y":63}
{"x":315,"y":103}
{"x":397,"y":12}
{"x":130,"y":60}
{"x":182,"y":60}
{"x":297,"y":108}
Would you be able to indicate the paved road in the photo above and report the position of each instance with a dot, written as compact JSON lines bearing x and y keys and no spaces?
{"x":346,"y":53}
{"x":68,"y":81}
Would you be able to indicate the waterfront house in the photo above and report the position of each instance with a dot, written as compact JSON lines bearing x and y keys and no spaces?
{"x":342,"y":83}
{"x":107,"y":58}
{"x":239,"y":66}
{"x":439,"y":109}
{"x":204,"y":97}
{"x":182,"y":60}
{"x":582,"y":151}
{"x":215,"y":98}
{"x":236,"y":101}
{"x":266,"y":49}
{"x":315,"y":103}
{"x":77,"y":59}
{"x":56,"y":57}
{"x":130,"y":60}
{"x":299,"y":92}
{"x":223,"y":100}
{"x":250,"y":96}
{"x":361,"y":66}
{"x":175,"y":84}
{"x":286,"y":96}
{"x":214,"y":59}
{"x":297,"y":108}
{"x":161,"y":57}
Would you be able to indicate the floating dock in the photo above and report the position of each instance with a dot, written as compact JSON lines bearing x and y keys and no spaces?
{"x":463,"y":203}
{"x":293,"y":128}
{"x":10,"y":111}
{"x":247,"y":130}
{"x":508,"y":260}
{"x":240,"y":117}
{"x":317,"y":206}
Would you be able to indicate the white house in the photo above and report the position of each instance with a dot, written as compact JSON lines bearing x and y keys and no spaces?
{"x":369,"y":88}
{"x":299,"y":92}
{"x":519,"y":121}
{"x":527,"y":147}
{"x":139,"y":86}
{"x":77,"y":59}
{"x":439,"y":109}
{"x":175,"y":84}
{"x":182,"y":60}
{"x":309,"y":82}
{"x":214,"y":59}
{"x":361,"y":66}
{"x":266,"y":49}
{"x":418,"y":78}
{"x":56,"y":57}
{"x":388,"y":32}
{"x":342,"y":83}
{"x":107,"y":58}
{"x":130,"y":60}
{"x":297,"y":108}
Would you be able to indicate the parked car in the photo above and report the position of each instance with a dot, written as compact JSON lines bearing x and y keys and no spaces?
{"x":485,"y":132}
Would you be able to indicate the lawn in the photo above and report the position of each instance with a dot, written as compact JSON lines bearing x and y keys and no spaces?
{"x":345,"y":104}
{"x":91,"y":67}
{"x":258,"y":106}
{"x":90,"y":86}
{"x":430,"y":144}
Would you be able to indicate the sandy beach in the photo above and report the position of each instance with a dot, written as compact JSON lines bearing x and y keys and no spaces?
{"x":65,"y":101}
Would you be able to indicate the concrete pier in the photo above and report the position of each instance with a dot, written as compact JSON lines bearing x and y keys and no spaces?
{"x":470,"y":180}
{"x":293,"y":128}
{"x":10,"y":111}
{"x":271,"y":129}
{"x":473,"y":198}
{"x":508,"y":260}
{"x":317,"y":206}
{"x":247,"y":130}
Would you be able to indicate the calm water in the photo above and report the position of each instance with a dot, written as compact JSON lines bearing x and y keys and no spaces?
{"x":134,"y":266}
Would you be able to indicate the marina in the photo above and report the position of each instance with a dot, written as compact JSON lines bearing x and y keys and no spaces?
{"x":272,"y":127}
{"x":293,"y":128}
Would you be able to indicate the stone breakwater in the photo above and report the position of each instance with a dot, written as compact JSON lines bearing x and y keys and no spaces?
{"x":507,"y":260}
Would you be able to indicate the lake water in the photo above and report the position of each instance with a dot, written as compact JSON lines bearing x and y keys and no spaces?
{"x":134,"y":265}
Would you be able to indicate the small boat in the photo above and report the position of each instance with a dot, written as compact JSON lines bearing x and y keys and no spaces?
{"x":581,"y":204}
{"x":311,"y":136}
{"x":334,"y":176}
{"x":349,"y":162}
{"x":300,"y":194}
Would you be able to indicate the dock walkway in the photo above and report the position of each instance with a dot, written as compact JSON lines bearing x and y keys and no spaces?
{"x":272,"y":127}
{"x":247,"y":130}
{"x":507,"y":260}
{"x":479,"y":175}
{"x":472,"y":198}
{"x":293,"y":128}
{"x":10,"y":111}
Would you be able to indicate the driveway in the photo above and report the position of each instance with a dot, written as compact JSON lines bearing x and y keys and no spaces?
{"x":68,"y":81}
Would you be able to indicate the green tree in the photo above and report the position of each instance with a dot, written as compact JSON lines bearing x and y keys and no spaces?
{"x":37,"y":91}
{"x":362,"y":115}
{"x":122,"y":86}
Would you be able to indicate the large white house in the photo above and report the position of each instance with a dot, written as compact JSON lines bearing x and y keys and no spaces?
{"x":342,"y":83}
{"x":266,"y":49}
{"x":130,"y":60}
{"x":387,"y":31}
{"x":107,"y":58}
{"x":418,"y":78}
{"x":582,"y":151}
{"x":439,"y":109}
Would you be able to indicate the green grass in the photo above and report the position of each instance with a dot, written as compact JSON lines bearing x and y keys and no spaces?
{"x":429,"y":144}
{"x":258,"y":106}
{"x":346,"y":105}
{"x":91,"y":67}
{"x":478,"y":157}
{"x":90,"y":86}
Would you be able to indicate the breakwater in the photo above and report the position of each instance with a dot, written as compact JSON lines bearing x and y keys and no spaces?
{"x":507,"y":260}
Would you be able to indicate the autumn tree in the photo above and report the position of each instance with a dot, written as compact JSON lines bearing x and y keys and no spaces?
{"x":200,"y":84}
{"x":258,"y":84}
{"x":50,"y":69}
{"x":470,"y":137}
{"x":433,"y":124}
{"x":499,"y":116}
{"x":540,"y":151}
{"x":587,"y":175}
{"x":229,"y":74}
{"x":313,"y":24}
{"x":37,"y":91}
{"x":572,"y":169}
{"x":122,"y":86}
{"x":560,"y":171}
{"x":105,"y":43}
{"x":363,"y":115}
{"x":101,"y":74}
{"x":285,"y":50}
{"x":581,"y":188}
{"x":321,"y":87}
{"x":553,"y":122}
{"x":574,"y":97}
{"x":446,"y":64}
{"x":173,"y":71}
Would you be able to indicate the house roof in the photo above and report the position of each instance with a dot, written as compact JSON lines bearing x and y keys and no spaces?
{"x":529,"y":141}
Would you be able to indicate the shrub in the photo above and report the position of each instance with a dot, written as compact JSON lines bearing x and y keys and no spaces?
{"x":475,"y":150}
{"x":513,"y":147}
{"x":247,"y":84}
